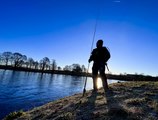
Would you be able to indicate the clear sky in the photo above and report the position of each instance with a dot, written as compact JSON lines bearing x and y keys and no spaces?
{"x":63,"y":30}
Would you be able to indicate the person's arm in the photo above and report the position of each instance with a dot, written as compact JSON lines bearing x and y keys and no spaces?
{"x":91,"y":57}
{"x":107,"y":56}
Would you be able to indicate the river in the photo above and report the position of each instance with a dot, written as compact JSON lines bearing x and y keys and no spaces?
{"x":26,"y":90}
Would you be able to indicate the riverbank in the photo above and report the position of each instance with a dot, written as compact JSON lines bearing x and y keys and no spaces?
{"x":125,"y":77}
{"x":127,"y":100}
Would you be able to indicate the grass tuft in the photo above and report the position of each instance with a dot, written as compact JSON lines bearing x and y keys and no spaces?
{"x":135,"y":101}
{"x":14,"y":115}
{"x":66,"y":116}
{"x":154,"y":105}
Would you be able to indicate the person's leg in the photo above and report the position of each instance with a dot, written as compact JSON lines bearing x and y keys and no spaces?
{"x":95,"y":82}
{"x":94,"y":76}
{"x":103,"y":77}
{"x":104,"y":81}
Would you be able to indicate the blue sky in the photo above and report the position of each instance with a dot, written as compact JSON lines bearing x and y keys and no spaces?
{"x":63,"y":30}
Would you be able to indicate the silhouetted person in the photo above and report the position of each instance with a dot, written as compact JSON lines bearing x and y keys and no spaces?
{"x":99,"y":56}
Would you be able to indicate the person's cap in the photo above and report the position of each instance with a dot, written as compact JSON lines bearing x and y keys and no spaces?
{"x":100,"y":41}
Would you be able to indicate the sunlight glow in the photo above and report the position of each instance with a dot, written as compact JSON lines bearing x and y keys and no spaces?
{"x":99,"y":83}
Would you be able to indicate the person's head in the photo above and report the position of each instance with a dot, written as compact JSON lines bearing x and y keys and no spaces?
{"x":99,"y":43}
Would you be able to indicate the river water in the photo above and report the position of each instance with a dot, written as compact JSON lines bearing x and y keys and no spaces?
{"x":26,"y":90}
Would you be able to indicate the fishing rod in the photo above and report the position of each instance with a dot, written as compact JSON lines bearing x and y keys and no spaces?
{"x":107,"y":67}
{"x":94,"y":34}
{"x":106,"y":63}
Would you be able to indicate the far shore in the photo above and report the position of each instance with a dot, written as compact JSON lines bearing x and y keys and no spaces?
{"x":126,"y":77}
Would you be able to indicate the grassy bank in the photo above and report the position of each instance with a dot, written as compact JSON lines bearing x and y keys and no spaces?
{"x":128,"y":100}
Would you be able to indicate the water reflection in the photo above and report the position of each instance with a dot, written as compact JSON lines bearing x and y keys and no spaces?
{"x":40,"y":78}
{"x":25,"y":90}
{"x":52,"y":77}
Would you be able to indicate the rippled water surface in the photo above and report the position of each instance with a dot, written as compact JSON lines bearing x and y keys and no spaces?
{"x":25,"y":90}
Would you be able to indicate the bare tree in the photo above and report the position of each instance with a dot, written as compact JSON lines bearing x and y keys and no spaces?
{"x":83,"y":68}
{"x":67,"y":68}
{"x":6,"y":57}
{"x":19,"y":59}
{"x":44,"y":62}
{"x":1,"y":60}
{"x":76,"y":68}
{"x":24,"y":59}
{"x":54,"y":65}
{"x":27,"y":64}
{"x":36,"y":64}
{"x":30,"y":62}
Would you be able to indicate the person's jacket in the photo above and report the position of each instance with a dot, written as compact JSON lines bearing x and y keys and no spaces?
{"x":100,"y":55}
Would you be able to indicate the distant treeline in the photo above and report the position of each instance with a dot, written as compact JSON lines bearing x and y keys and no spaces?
{"x":20,"y":62}
{"x":132,"y":77}
{"x":17,"y":61}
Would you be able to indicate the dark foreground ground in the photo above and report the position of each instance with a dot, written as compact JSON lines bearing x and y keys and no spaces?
{"x":124,"y":101}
